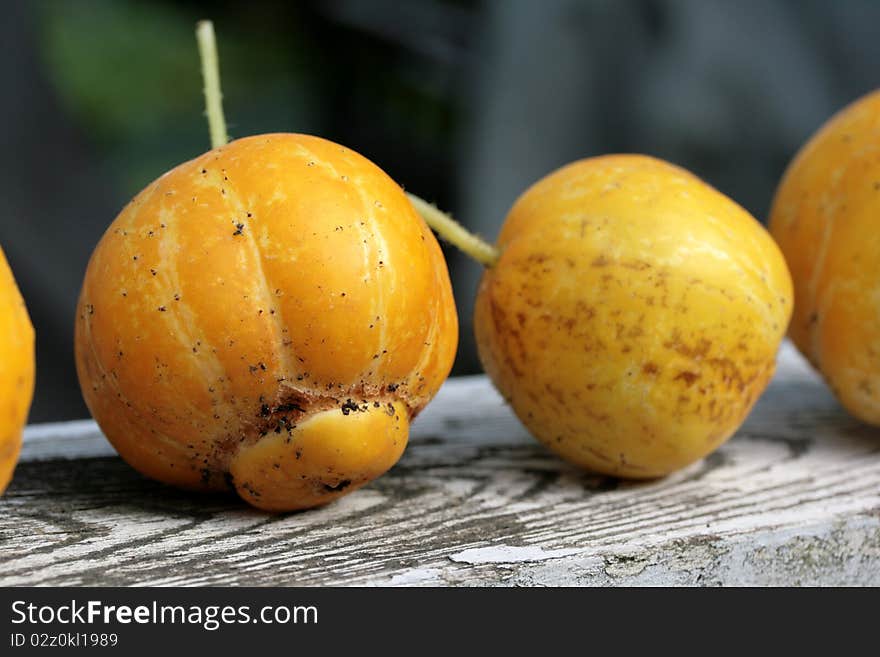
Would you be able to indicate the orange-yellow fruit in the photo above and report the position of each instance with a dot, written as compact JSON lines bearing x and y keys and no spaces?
{"x":826,"y":219}
{"x":269,"y":316}
{"x":634,"y":315}
{"x":16,"y":370}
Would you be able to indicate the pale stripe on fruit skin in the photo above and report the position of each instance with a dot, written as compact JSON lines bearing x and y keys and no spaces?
{"x":121,"y":397}
{"x":231,"y":197}
{"x":433,"y":332}
{"x":368,"y":239}
{"x":379,"y":300}
{"x":188,"y":331}
{"x":376,"y":240}
{"x":127,"y":226}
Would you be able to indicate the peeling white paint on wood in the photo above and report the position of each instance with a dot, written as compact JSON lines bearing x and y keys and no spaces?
{"x":509,"y":554}
{"x":794,"y":498}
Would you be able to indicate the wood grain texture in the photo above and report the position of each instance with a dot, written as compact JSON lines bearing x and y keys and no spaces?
{"x":793,"y":498}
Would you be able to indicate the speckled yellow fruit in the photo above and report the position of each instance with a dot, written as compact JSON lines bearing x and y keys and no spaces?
{"x":269,"y":316}
{"x":826,"y":219}
{"x":16,"y":370}
{"x":634,"y":315}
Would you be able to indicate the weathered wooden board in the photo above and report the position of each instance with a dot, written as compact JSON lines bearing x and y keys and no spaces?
{"x":794,"y":498}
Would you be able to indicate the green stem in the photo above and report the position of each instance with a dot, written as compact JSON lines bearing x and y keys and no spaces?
{"x":454,"y":233}
{"x":211,"y":75}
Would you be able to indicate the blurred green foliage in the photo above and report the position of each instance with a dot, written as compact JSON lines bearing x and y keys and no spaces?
{"x":128,"y":74}
{"x":121,"y":67}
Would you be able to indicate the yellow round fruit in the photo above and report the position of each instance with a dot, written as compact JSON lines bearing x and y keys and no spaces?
{"x":16,"y":370}
{"x":634,"y":315}
{"x":267,"y":317}
{"x":826,"y":219}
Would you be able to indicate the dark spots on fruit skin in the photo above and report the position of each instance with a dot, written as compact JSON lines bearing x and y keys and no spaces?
{"x":695,"y":351}
{"x":688,"y":377}
{"x":708,"y":372}
{"x":733,"y":375}
{"x":250,"y":490}
{"x":505,"y":331}
{"x":556,"y":395}
{"x":584,"y":310}
{"x":288,"y":407}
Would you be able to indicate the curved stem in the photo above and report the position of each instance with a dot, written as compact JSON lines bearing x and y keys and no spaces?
{"x":454,"y":233}
{"x":211,"y":75}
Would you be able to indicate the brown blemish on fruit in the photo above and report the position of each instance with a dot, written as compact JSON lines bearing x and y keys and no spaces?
{"x":697,"y":352}
{"x":688,"y":377}
{"x":503,"y":328}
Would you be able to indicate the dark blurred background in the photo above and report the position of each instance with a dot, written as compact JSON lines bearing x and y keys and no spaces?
{"x":463,"y":102}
